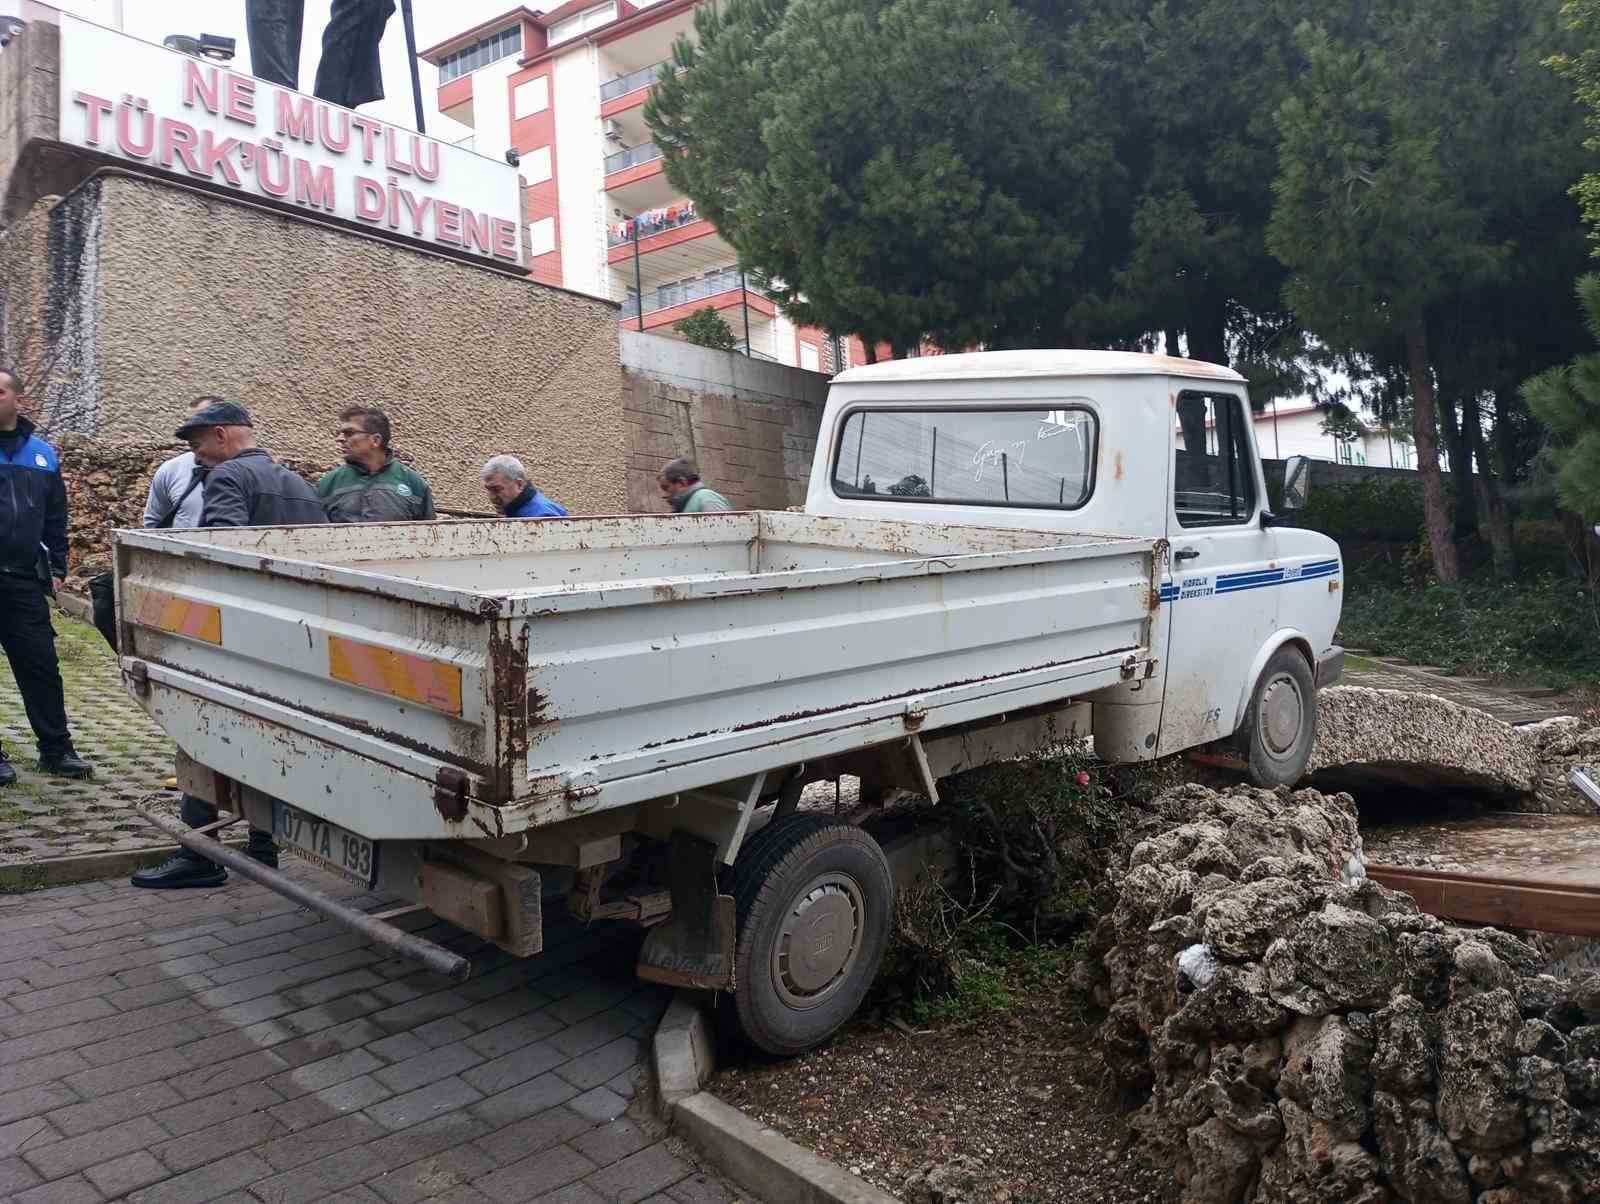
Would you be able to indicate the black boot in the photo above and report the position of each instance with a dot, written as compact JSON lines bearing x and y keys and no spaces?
{"x":182,"y":869}
{"x":65,"y":765}
{"x":8,"y":775}
{"x":261,"y":848}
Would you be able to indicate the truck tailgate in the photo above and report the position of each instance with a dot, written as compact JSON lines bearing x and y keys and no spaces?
{"x":465,"y":678}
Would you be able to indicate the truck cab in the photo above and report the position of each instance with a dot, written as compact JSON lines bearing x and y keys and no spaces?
{"x":1126,"y":444}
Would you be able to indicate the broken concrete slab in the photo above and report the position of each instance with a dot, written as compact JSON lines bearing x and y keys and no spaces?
{"x":1370,"y":739}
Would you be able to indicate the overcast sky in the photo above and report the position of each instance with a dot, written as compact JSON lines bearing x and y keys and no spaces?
{"x":436,"y":20}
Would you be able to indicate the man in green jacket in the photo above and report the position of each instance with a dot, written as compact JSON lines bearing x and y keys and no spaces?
{"x":681,"y":485}
{"x":371,"y":486}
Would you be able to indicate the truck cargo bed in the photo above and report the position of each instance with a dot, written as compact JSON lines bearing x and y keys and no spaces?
{"x":482,"y":677}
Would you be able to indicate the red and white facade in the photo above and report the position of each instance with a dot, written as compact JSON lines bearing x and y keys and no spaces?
{"x":565,"y":89}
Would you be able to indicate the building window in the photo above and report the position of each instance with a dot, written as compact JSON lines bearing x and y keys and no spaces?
{"x":810,"y":357}
{"x":542,"y":236}
{"x":591,"y":18}
{"x":530,"y":96}
{"x":481,"y":53}
{"x":536,"y":165}
{"x":1034,"y":458}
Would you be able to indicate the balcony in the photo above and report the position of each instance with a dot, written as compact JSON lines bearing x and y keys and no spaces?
{"x":632,"y":156}
{"x":684,"y":291}
{"x":631,"y":82}
{"x":648,"y":228}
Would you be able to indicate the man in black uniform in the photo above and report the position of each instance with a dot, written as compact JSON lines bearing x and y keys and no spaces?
{"x":245,"y":487}
{"x":33,"y":560}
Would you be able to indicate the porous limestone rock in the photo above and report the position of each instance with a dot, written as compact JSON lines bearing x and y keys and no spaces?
{"x":1347,"y":1047}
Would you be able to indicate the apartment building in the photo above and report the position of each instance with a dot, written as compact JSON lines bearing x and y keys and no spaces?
{"x":565,"y":89}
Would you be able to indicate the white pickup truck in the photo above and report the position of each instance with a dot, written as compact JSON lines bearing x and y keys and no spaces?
{"x":998,"y":551}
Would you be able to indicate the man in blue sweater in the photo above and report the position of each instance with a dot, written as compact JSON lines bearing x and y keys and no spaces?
{"x":33,"y":561}
{"x":506,"y":482}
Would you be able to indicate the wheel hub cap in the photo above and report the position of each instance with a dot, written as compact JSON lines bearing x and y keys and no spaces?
{"x":818,"y":941}
{"x":1281,"y":715}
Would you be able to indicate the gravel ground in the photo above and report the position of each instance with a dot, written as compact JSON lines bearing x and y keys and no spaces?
{"x":1007,"y":1111}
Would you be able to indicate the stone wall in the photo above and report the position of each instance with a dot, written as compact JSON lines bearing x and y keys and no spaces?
{"x":749,"y":424}
{"x":106,"y":488}
{"x":158,"y":294}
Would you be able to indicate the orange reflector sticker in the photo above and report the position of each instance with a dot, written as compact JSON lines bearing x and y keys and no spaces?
{"x":415,"y":678}
{"x":197,"y":620}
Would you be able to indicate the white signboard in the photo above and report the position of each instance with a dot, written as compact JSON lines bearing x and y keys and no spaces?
{"x":202,"y":120}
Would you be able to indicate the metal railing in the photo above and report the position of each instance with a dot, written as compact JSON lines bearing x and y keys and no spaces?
{"x":631,"y":82}
{"x":684,"y":291}
{"x":646,"y":228}
{"x":632,"y":157}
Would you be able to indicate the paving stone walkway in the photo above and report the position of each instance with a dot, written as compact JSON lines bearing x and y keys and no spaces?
{"x":225,"y":1045}
{"x":1472,"y":692}
{"x":53,"y":817}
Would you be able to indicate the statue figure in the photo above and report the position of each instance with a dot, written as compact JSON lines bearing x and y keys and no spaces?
{"x":349,"y":73}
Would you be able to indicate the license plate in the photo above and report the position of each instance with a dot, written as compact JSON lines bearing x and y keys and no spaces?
{"x":328,"y":845}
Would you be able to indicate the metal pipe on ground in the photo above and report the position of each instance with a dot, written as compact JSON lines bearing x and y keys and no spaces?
{"x":433,"y":957}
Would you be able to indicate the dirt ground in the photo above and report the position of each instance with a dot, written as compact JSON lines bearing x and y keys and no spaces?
{"x":1003,"y":1111}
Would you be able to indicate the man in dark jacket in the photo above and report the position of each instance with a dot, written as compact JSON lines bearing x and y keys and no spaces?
{"x":33,"y":561}
{"x":245,"y":487}
{"x":371,"y":486}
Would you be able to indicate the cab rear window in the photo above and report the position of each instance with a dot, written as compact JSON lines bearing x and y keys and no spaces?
{"x":1030,"y":458}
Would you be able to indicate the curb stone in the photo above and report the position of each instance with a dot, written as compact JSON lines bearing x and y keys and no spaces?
{"x":84,"y":867}
{"x":758,"y":1158}
{"x":76,"y":605}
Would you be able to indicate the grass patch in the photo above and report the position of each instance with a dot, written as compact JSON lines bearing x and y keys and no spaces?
{"x":993,"y":974}
{"x":1543,"y":630}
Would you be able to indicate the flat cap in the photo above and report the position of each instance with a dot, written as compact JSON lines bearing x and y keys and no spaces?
{"x":218,"y":413}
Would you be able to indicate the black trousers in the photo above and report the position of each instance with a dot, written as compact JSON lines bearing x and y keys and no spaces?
{"x":348,"y":74}
{"x":197,"y":813}
{"x":30,"y":645}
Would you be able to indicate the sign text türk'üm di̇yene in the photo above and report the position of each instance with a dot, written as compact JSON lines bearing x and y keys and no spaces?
{"x":213,"y":124}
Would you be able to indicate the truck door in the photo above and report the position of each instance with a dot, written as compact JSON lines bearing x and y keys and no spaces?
{"x":1218,"y":576}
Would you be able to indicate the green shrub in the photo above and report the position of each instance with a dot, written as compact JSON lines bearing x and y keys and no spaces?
{"x":1370,"y":509}
{"x":1545,"y":628}
{"x":1036,"y":837}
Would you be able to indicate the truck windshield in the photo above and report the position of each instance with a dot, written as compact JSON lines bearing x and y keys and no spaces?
{"x":1040,"y":457}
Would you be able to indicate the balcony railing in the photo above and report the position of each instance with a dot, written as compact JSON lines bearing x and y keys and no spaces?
{"x":632,"y":157}
{"x":647,"y":225}
{"x":684,"y":291}
{"x":631,"y":82}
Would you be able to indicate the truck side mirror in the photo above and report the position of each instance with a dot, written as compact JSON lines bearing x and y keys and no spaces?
{"x":1296,"y":482}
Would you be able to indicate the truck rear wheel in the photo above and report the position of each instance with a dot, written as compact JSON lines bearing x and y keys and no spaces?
{"x":815,"y":904}
{"x":1280,"y":724}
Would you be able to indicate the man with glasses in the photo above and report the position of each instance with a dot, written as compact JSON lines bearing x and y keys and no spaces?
{"x":371,"y":486}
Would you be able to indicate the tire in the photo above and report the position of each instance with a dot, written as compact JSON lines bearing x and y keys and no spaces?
{"x":806,"y":882}
{"x":1280,"y":724}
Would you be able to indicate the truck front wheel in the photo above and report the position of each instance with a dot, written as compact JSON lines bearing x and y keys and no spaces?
{"x":815,"y":904}
{"x":1280,"y":724}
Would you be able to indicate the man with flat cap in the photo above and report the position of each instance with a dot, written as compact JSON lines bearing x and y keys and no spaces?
{"x":244,"y":487}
